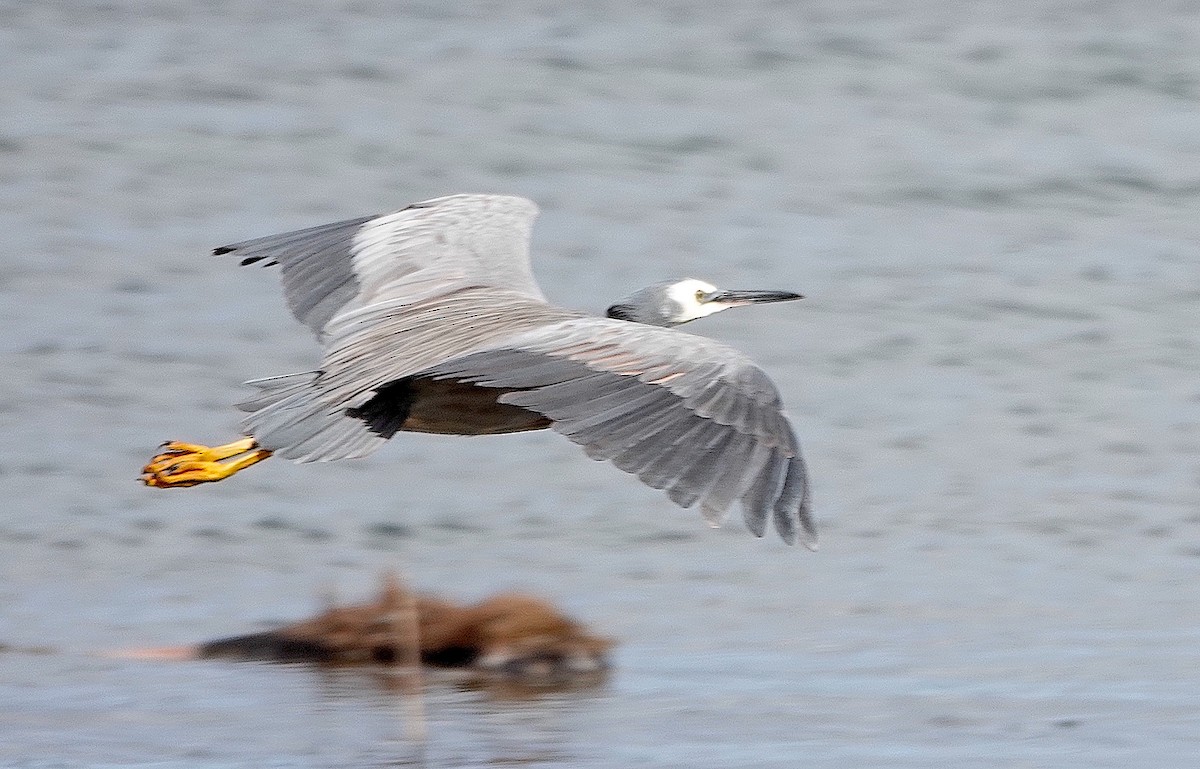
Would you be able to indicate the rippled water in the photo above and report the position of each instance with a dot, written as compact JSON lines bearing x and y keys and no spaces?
{"x":992,"y":210}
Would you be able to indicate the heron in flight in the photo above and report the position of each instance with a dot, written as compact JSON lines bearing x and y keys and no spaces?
{"x":431,"y":321}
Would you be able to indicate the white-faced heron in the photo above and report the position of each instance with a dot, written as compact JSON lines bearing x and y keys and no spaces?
{"x":431,"y":321}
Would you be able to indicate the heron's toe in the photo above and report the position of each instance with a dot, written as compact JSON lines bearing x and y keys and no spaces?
{"x":162,"y":462}
{"x":182,"y":470}
{"x":175,"y":448}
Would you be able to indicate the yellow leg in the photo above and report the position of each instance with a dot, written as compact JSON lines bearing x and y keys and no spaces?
{"x":186,"y":464}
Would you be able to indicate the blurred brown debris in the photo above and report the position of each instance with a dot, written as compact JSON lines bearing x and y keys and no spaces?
{"x":509,"y":636}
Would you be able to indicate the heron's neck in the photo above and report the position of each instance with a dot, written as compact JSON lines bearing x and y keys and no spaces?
{"x":635,"y":314}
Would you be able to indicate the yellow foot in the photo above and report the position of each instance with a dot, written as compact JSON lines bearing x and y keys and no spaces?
{"x":187,"y":464}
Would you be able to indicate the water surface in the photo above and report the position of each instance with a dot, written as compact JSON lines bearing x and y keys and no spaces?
{"x":992,"y":213}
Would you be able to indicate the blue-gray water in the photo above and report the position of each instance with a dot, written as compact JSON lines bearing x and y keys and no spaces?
{"x":992,"y":208}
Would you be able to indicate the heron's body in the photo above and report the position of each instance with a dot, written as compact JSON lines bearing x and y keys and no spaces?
{"x":431,"y":321}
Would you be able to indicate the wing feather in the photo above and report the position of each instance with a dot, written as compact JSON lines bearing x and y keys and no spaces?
{"x":635,"y":426}
{"x":727,"y":481}
{"x":691,"y":485}
{"x":758,"y":503}
{"x":683,"y":413}
{"x":435,"y":246}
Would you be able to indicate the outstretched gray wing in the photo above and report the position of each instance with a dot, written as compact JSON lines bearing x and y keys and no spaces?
{"x":681,"y":412}
{"x":436,"y":246}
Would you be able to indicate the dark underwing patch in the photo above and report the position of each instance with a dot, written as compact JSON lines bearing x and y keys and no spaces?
{"x":388,"y":409}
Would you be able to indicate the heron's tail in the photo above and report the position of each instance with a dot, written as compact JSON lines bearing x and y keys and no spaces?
{"x":289,"y":417}
{"x":275,"y":388}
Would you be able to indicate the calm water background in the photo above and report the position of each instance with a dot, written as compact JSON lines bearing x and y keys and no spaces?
{"x":992,"y":208}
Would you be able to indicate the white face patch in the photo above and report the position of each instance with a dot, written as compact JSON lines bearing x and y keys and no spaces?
{"x":685,"y":292}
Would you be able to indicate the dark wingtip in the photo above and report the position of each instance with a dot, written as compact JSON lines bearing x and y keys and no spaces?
{"x":223,"y":250}
{"x":807,"y":526}
{"x":793,"y":508}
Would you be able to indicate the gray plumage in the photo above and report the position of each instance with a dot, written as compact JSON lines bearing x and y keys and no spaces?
{"x":431,"y":321}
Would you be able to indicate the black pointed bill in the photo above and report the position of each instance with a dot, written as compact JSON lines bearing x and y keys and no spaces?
{"x":739,"y":298}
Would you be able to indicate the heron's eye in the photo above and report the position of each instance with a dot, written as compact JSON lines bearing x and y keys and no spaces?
{"x":700,"y":294}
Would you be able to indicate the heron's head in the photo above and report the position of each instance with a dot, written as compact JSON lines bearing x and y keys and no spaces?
{"x":673,"y":303}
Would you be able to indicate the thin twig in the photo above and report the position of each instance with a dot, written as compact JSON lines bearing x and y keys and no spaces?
{"x":406,"y":634}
